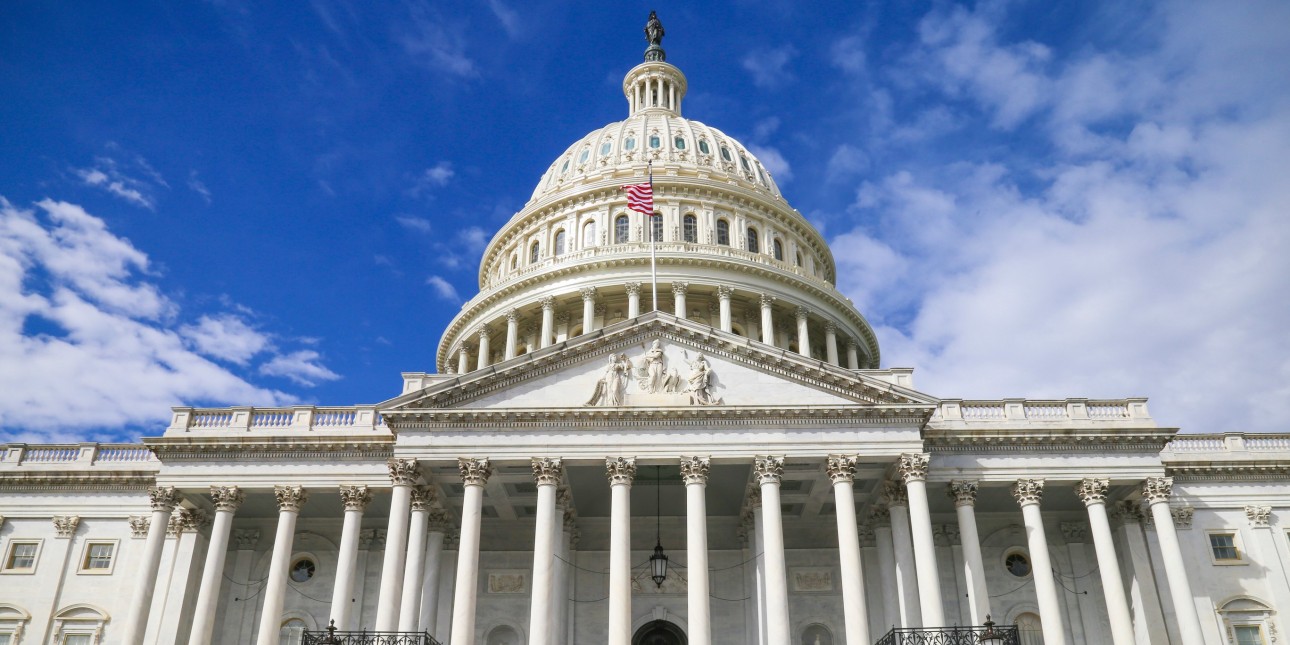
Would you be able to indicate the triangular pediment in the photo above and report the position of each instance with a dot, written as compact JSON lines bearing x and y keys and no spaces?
{"x":658,"y":361}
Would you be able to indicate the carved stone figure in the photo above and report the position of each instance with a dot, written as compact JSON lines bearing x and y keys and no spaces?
{"x":612,"y":383}
{"x":700,"y":384}
{"x":652,"y":373}
{"x":654,"y":29}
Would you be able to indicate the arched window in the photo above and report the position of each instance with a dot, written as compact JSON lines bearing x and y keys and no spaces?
{"x":656,"y":227}
{"x":797,"y":259}
{"x":725,"y":154}
{"x":534,"y":252}
{"x":753,"y":245}
{"x":690,"y":228}
{"x":723,"y":232}
{"x":515,"y":261}
{"x":679,"y":143}
{"x":589,"y":234}
{"x":503,"y":635}
{"x":655,"y":141}
{"x":582,"y":158}
{"x":1029,"y":628}
{"x":779,"y":250}
{"x":817,"y":634}
{"x":559,"y":242}
{"x":622,"y":227}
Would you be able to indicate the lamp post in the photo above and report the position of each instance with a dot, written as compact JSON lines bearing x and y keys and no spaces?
{"x":989,"y":636}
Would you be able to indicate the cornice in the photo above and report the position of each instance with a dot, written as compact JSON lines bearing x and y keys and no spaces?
{"x":83,"y":480}
{"x":617,"y":418}
{"x":1233,"y":470}
{"x":1047,"y":439}
{"x":239,"y":448}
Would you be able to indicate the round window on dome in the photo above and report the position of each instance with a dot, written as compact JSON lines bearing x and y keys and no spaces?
{"x":605,"y":148}
{"x":679,"y":143}
{"x":655,"y":142}
{"x":629,"y":143}
{"x":703,"y":147}
{"x":303,"y":569}
{"x":725,"y":153}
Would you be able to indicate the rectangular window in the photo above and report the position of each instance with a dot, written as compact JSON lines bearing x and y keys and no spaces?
{"x":1248,"y":635}
{"x":78,"y":639}
{"x":1223,"y":546}
{"x":98,"y":556}
{"x":22,"y":556}
{"x":6,"y":639}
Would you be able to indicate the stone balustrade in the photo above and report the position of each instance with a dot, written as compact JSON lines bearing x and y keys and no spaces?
{"x":1029,"y":411}
{"x":109,"y":455}
{"x":1226,"y":445}
{"x":302,"y":418}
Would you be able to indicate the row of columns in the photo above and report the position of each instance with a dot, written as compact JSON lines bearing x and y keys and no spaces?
{"x":546,"y":332}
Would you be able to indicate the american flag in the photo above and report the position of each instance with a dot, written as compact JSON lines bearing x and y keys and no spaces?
{"x":640,"y":197}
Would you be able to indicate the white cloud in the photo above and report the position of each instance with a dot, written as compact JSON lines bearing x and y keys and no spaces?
{"x":774,"y":163}
{"x":433,"y":177}
{"x":86,"y":344}
{"x":226,"y":336}
{"x":197,"y":186}
{"x":443,"y":288}
{"x":848,"y":54}
{"x":473,"y":238}
{"x":438,"y":46}
{"x":846,"y":161}
{"x":302,"y":367}
{"x":769,"y":67}
{"x":507,"y":16}
{"x":413,"y":223}
{"x":117,"y":184}
{"x":1144,"y":257}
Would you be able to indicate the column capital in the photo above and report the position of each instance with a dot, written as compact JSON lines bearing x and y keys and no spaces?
{"x":185,"y":520}
{"x":355,"y":498}
{"x":290,"y":498}
{"x":679,"y":288}
{"x":1127,"y":511}
{"x":600,"y":309}
{"x":633,"y":288}
{"x":464,"y":349}
{"x":912,"y":466}
{"x":548,"y":303}
{"x":769,"y":469}
{"x":403,"y":472}
{"x":474,"y":471}
{"x":801,"y":312}
{"x":512,"y":315}
{"x":246,"y":539}
{"x":482,"y":332}
{"x":423,"y":498}
{"x":369,"y":539}
{"x":767,"y":301}
{"x":1028,"y":491}
{"x":724,"y":292}
{"x":1092,"y":491}
{"x":830,"y":327}
{"x":1074,"y":532}
{"x":562,"y":318}
{"x":880,"y":515}
{"x":1157,"y":489}
{"x":139,"y":525}
{"x":227,"y":498}
{"x":694,"y":470}
{"x":564,"y":499}
{"x":588,"y":293}
{"x":439,"y":521}
{"x":963,"y":492}
{"x":1258,"y":516}
{"x":164,"y":498}
{"x":547,"y":471}
{"x":852,"y":344}
{"x":841,"y":468}
{"x":620,"y":470}
{"x":1183,"y":516}
{"x":65,"y":525}
{"x":894,"y":494}
{"x":866,"y":535}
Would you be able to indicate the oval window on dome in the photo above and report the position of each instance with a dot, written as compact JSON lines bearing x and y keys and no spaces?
{"x":583,"y":157}
{"x":565,"y":167}
{"x":744,"y":160}
{"x":655,"y":142}
{"x":629,"y":143}
{"x":725,"y":153}
{"x":703,"y":147}
{"x":679,"y":143}
{"x":605,"y":148}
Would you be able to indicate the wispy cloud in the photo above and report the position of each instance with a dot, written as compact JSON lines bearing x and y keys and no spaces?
{"x":435,"y":44}
{"x":508,"y":17}
{"x":443,"y":288}
{"x":197,"y":186}
{"x":436,"y":176}
{"x":303,"y":367}
{"x":227,"y":337}
{"x":769,"y":67}
{"x":104,"y":175}
{"x":414,"y":223}
{"x":774,"y":162}
{"x":847,"y":54}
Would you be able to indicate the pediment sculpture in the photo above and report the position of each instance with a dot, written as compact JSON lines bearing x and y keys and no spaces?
{"x":652,"y":383}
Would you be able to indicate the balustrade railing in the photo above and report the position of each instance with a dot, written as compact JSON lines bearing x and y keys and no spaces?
{"x":948,"y":635}
{"x":332,"y":637}
{"x":298,"y":418}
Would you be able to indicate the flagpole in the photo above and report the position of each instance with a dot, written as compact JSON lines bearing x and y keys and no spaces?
{"x":649,"y":222}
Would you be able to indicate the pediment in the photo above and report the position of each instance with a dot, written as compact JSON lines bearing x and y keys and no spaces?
{"x":657,"y":361}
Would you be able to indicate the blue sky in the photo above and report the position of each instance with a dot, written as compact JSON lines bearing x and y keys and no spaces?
{"x":219,"y":203}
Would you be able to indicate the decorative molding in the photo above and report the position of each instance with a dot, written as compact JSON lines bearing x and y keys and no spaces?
{"x":474,"y":472}
{"x":512,"y":315}
{"x":164,"y":498}
{"x":963,"y":492}
{"x":246,"y":539}
{"x":1092,"y":491}
{"x":768,"y":469}
{"x":139,"y":525}
{"x":403,"y":472}
{"x":1035,"y":439}
{"x":880,"y":516}
{"x":694,"y":470}
{"x":620,"y":470}
{"x":912,"y":466}
{"x":1074,"y":532}
{"x":233,"y":448}
{"x":371,"y":539}
{"x":1182,"y":516}
{"x":1028,"y":491}
{"x":355,"y":498}
{"x":1156,"y":490}
{"x":841,"y":468}
{"x":227,"y":498}
{"x":547,"y":471}
{"x":439,"y":521}
{"x":290,"y":498}
{"x":65,"y":525}
{"x":802,"y":313}
{"x":1259,"y":516}
{"x":894,"y":494}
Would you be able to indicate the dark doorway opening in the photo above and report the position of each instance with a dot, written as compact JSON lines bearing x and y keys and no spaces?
{"x":659,"y":632}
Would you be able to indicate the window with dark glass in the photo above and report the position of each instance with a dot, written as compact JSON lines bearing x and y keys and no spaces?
{"x":22,"y":555}
{"x":1223,"y":546}
{"x":582,"y":158}
{"x":622,"y":227}
{"x":559,"y":242}
{"x":679,"y":143}
{"x":753,"y":245}
{"x":605,"y":148}
{"x":1017,"y":564}
{"x":723,"y":232}
{"x":656,"y":227}
{"x":690,"y":228}
{"x":654,"y":141}
{"x":98,"y":556}
{"x":303,"y":570}
{"x":703,"y":146}
{"x":629,"y":144}
{"x":779,"y":250}
{"x":725,"y":153}
{"x":534,"y":253}
{"x":744,"y":162}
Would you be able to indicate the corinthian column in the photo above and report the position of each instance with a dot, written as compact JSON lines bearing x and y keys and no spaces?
{"x":227,"y":500}
{"x":803,"y":332}
{"x":547,"y":474}
{"x":620,"y":471}
{"x":964,"y":495}
{"x":163,"y":500}
{"x":767,"y":320}
{"x":512,"y":334}
{"x":913,"y":468}
{"x":769,"y":471}
{"x":1093,"y":493}
{"x":290,"y":499}
{"x":439,"y":527}
{"x":694,"y":470}
{"x":842,"y":472}
{"x":474,"y":475}
{"x":897,"y":500}
{"x":484,"y":349}
{"x":678,"y":298}
{"x":403,"y":474}
{"x":463,"y":359}
{"x":355,"y":500}
{"x":1029,"y":492}
{"x":633,"y":299}
{"x":1156,"y":490}
{"x":588,"y":309}
{"x":548,"y":321}
{"x":853,"y":355}
{"x":831,"y":342}
{"x":723,"y":302}
{"x":423,"y":498}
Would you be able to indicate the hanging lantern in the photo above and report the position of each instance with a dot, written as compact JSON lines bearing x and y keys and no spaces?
{"x":989,"y":636}
{"x":658,"y":566}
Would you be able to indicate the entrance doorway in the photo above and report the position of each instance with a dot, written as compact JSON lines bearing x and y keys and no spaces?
{"x":659,"y":632}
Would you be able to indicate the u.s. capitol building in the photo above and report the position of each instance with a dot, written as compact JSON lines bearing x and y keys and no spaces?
{"x":575,"y":434}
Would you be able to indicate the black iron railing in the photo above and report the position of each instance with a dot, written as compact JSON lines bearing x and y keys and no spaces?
{"x":947,"y":635}
{"x":332,"y":637}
